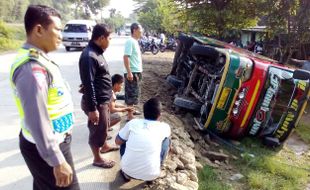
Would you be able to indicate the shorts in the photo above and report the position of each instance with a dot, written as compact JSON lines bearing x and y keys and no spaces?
{"x":98,"y":134}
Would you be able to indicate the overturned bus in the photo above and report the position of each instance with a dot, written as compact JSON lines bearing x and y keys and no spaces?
{"x":237,"y":92}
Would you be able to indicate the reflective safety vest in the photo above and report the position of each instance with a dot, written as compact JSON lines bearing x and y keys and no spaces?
{"x":59,"y":102}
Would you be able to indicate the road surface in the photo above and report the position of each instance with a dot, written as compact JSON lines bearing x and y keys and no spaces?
{"x":14,"y":173}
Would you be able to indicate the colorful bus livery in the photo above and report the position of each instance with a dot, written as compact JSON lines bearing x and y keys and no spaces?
{"x":237,"y":92}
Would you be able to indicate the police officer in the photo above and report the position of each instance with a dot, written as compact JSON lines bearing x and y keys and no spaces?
{"x":44,"y":103}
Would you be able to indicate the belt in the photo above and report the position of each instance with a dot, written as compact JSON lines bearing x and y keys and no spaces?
{"x":64,"y":137}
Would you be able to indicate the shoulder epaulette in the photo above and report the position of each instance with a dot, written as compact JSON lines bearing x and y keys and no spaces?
{"x":33,"y":53}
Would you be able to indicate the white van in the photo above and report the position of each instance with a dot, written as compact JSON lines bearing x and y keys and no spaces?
{"x":127,"y":29}
{"x":77,"y":33}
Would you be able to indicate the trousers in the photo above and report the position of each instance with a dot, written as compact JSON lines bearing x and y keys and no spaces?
{"x":42,"y":173}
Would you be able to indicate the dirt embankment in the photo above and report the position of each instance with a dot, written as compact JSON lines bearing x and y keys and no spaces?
{"x":190,"y":148}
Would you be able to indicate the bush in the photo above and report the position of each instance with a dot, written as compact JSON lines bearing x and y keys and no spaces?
{"x":4,"y":31}
{"x":11,"y":36}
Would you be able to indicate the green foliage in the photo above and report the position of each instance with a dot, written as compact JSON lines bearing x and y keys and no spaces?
{"x":279,"y":13}
{"x":150,"y":20}
{"x":170,"y":14}
{"x":4,"y":31}
{"x":13,"y":10}
{"x":272,"y":169}
{"x":116,"y":20}
{"x":303,"y":130}
{"x":157,"y":15}
{"x":208,"y":180}
{"x":148,"y":15}
{"x":216,"y":17}
{"x":11,"y":36}
{"x":84,"y":8}
{"x":64,"y":8}
{"x":289,"y":22}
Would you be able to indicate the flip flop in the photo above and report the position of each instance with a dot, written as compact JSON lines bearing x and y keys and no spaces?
{"x":110,"y":129}
{"x":109,"y":150}
{"x":125,"y":176}
{"x":109,"y":137}
{"x":105,"y":164}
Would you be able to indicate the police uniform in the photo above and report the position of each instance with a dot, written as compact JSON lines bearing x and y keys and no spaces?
{"x":46,"y":111}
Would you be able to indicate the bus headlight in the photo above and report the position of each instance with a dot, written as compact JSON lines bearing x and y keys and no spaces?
{"x":245,"y":69}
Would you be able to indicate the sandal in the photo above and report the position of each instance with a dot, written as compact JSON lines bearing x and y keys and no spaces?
{"x":125,"y":176}
{"x":109,"y":150}
{"x":105,"y":164}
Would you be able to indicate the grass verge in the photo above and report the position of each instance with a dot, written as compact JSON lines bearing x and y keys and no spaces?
{"x":272,"y":169}
{"x":208,"y":180}
{"x":303,"y":130}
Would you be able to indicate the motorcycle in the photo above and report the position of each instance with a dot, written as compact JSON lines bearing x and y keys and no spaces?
{"x":148,"y":45}
{"x":171,"y":44}
{"x":162,"y":47}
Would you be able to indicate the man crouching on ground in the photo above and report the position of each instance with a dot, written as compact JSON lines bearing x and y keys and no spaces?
{"x":144,"y":144}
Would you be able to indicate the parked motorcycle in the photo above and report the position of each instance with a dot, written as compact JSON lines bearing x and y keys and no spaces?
{"x":148,"y":45}
{"x":162,"y":47}
{"x":171,"y":44}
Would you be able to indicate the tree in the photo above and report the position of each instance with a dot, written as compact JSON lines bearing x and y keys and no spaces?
{"x":157,"y":15}
{"x":112,"y":12}
{"x":116,"y":20}
{"x":18,"y":10}
{"x":217,"y":17}
{"x":148,"y":15}
{"x":14,"y":10}
{"x":4,"y":9}
{"x":86,"y":8}
{"x":288,"y":22}
{"x":64,"y":8}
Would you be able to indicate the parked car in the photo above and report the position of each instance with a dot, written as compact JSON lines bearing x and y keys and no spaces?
{"x":237,"y":92}
{"x":77,"y":33}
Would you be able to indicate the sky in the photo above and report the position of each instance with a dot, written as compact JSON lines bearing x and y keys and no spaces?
{"x":124,"y":6}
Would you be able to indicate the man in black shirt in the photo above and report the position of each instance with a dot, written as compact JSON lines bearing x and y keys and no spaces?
{"x":97,"y":91}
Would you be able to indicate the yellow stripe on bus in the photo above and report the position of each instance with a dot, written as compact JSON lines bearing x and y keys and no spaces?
{"x":250,"y":104}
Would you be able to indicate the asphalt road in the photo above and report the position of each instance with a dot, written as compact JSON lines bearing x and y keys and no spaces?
{"x":14,"y":173}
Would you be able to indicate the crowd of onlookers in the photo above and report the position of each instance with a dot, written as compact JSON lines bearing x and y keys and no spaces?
{"x":254,"y":46}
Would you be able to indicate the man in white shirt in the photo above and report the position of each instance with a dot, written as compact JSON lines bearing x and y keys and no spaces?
{"x":144,"y":144}
{"x":162,"y":37}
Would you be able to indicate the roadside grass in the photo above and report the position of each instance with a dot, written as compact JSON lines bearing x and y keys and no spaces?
{"x":269,"y":169}
{"x":303,"y":130}
{"x":14,"y":38}
{"x":209,"y":180}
